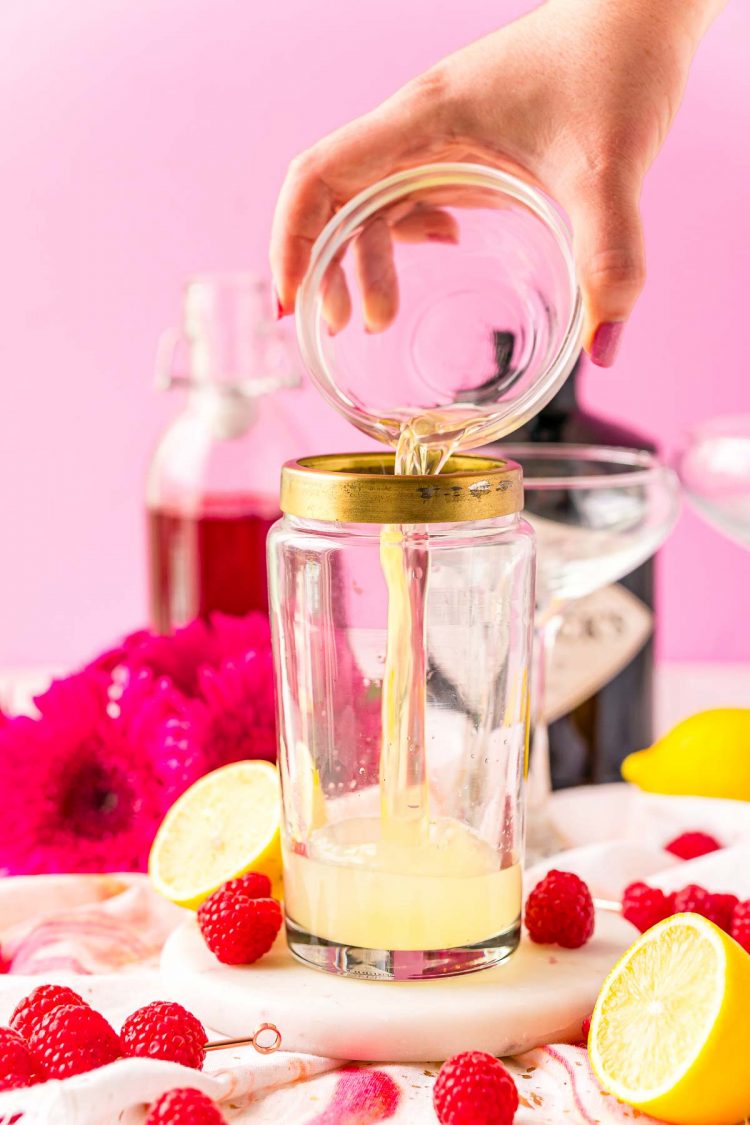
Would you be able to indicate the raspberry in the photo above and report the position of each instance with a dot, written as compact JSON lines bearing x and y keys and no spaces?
{"x":723,"y":908}
{"x":560,"y":911}
{"x":18,"y":1066}
{"x":691,"y":845}
{"x":644,"y":906}
{"x":30,"y":1011}
{"x":73,"y":1039}
{"x":236,"y":928}
{"x":254,"y":885}
{"x":474,"y":1088}
{"x":165,"y":1031}
{"x":741,"y":924}
{"x":697,"y":900}
{"x":692,"y":899}
{"x":184,"y":1107}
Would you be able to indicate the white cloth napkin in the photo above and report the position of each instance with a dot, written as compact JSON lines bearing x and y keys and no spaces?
{"x":102,"y":935}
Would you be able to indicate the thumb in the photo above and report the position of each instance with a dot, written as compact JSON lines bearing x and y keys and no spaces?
{"x":608,"y":240}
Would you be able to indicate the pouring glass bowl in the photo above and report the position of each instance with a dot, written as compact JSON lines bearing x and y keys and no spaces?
{"x":444,"y":296}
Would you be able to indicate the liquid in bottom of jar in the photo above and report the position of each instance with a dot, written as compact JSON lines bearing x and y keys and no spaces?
{"x":361,"y":885}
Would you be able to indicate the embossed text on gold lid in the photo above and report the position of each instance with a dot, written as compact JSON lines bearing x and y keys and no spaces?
{"x":362,"y":488}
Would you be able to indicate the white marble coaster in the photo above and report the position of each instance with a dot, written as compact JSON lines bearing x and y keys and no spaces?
{"x":540,"y":995}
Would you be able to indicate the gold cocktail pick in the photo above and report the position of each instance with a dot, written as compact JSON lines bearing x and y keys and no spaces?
{"x":269,"y":1030}
{"x":608,"y":905}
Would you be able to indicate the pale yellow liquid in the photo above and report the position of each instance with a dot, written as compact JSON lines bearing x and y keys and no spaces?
{"x":357,"y":887}
{"x":403,"y":768}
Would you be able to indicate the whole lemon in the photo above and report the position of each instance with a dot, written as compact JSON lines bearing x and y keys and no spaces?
{"x":707,"y":755}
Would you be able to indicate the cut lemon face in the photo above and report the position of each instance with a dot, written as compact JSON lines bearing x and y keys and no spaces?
{"x":226,"y":824}
{"x":670,"y":1033}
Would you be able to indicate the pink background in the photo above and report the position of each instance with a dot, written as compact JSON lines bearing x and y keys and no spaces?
{"x":143,"y":139}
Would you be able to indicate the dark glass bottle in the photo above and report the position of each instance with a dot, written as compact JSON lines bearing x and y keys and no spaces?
{"x":589,"y":743}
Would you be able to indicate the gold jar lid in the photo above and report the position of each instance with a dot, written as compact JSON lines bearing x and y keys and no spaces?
{"x":362,"y":488}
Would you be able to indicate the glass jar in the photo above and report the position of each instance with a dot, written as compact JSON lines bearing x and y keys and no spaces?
{"x":212,"y":490}
{"x":402,"y":808}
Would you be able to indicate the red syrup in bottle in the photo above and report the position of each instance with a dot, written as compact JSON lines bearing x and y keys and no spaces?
{"x":210,"y":560}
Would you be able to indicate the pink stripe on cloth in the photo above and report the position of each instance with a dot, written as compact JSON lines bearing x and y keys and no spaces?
{"x":116,"y":944}
{"x":568,"y":1068}
{"x":558,"y":1082}
{"x":361,"y":1097}
{"x":86,"y":946}
{"x":105,"y":926}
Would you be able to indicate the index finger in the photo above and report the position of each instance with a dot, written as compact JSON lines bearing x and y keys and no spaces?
{"x":325,"y":177}
{"x":304,"y":206}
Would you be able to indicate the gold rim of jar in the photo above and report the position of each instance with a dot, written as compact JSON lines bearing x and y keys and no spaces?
{"x":362,"y":488}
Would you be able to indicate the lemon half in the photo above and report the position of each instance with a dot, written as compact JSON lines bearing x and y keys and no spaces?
{"x":670,"y":1033}
{"x":226,"y":824}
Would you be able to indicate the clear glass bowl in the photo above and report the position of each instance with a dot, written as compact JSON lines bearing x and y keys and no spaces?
{"x":445,"y":294}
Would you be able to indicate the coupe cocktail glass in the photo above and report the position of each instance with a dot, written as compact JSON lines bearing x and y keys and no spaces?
{"x":714,"y":468}
{"x":598,"y":513}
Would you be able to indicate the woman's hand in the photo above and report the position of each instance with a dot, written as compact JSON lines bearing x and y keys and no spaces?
{"x":577,"y":96}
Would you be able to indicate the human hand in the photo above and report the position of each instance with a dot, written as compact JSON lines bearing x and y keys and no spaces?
{"x":576,"y":97}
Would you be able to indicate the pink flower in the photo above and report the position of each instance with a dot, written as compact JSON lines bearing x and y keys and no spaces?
{"x":178,"y":656}
{"x":108,"y":660}
{"x":182,"y":655}
{"x":233,"y":636}
{"x":225,"y":669}
{"x":235,"y":716}
{"x":87,"y":784}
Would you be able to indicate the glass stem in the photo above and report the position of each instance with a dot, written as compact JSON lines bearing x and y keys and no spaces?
{"x":541,"y":838}
{"x":546,"y":628}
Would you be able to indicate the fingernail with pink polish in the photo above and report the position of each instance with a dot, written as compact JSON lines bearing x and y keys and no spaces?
{"x":606,"y":343}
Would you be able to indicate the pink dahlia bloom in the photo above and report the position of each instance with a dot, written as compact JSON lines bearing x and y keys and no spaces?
{"x":178,"y":656}
{"x":234,"y":636}
{"x":182,"y":655}
{"x":225,"y":669}
{"x":111,"y":658}
{"x":87,"y":784}
{"x":234,"y":718}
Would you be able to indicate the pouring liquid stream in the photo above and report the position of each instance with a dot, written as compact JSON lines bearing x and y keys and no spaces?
{"x":405,"y":561}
